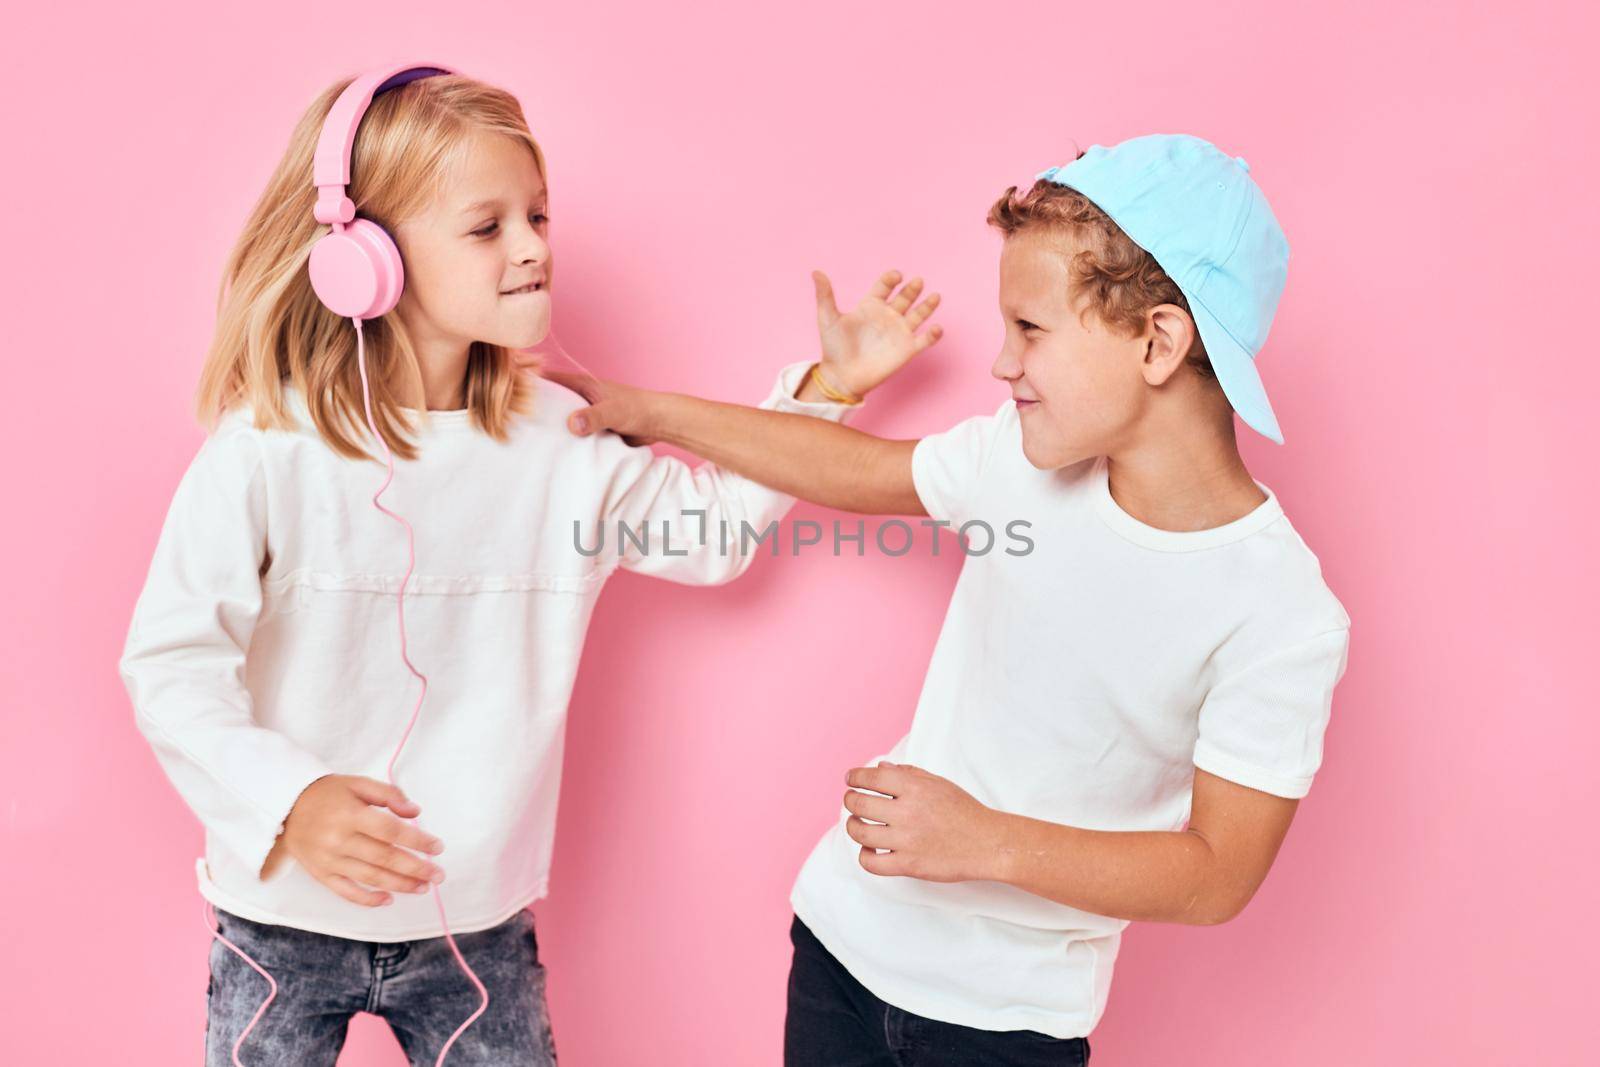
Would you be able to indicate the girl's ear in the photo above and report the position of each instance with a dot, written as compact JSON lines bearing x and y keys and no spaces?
{"x":1169,"y":332}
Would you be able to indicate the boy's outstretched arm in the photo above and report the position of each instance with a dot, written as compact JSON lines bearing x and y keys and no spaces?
{"x":809,"y":458}
{"x":815,"y":460}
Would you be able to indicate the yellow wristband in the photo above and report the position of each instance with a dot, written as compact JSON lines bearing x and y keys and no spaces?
{"x":827,"y":388}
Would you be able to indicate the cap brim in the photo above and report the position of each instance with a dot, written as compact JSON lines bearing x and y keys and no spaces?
{"x":1237,"y":374}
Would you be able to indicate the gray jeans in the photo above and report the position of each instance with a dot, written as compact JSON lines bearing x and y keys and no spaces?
{"x":417,"y":987}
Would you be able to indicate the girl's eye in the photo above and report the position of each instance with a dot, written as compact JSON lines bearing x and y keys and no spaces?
{"x":538,"y":218}
{"x":1025,"y":325}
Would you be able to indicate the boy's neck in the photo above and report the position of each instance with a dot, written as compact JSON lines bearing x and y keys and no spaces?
{"x":1184,"y":485}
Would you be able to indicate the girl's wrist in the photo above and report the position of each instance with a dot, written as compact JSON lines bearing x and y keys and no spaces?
{"x":837,"y":384}
{"x":809,"y":391}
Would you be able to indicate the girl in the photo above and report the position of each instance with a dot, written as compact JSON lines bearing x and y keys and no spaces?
{"x":264,"y":661}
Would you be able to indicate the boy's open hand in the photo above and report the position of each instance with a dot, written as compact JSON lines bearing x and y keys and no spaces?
{"x":933,"y":829}
{"x":340,"y":833}
{"x":878,"y":337}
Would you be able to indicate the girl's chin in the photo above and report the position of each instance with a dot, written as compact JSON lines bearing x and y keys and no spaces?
{"x":525,"y":331}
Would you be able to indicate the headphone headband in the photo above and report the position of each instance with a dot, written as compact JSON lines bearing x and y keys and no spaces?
{"x":330,"y":167}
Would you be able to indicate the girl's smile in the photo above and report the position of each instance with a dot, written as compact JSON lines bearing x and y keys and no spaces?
{"x":535,"y":286}
{"x":488,"y":231}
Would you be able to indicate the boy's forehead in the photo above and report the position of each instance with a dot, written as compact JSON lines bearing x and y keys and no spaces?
{"x":1034,"y":267}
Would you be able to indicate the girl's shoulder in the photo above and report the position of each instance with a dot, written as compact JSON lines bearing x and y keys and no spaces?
{"x":538,"y":434}
{"x":553,"y":402}
{"x":240,"y":416}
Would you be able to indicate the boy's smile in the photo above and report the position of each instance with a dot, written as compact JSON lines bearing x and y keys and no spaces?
{"x":1083,"y":387}
{"x":1077,"y":384}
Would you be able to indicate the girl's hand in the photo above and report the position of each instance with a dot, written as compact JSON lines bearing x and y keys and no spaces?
{"x":933,"y":829}
{"x":623,"y":409}
{"x":340,"y":834}
{"x":877,"y":338}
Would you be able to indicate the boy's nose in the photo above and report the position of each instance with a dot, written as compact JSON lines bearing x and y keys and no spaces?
{"x":1006,"y":365}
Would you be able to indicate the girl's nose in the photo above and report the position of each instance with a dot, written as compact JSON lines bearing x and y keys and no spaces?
{"x":531,"y":247}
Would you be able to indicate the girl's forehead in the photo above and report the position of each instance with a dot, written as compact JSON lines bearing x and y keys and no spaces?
{"x":495,"y":170}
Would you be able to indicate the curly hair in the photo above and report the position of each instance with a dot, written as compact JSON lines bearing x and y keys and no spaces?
{"x":1118,"y":280}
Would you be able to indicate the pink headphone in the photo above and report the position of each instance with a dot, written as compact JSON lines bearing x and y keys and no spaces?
{"x":355,"y":269}
{"x":357,"y":274}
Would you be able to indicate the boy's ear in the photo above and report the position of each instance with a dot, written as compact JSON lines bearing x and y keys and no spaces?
{"x":1169,"y":333}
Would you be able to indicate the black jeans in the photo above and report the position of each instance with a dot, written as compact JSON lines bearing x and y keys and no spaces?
{"x":834,"y":1021}
{"x":417,"y":987}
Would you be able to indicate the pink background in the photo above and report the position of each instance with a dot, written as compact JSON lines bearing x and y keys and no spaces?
{"x":1433,"y":366}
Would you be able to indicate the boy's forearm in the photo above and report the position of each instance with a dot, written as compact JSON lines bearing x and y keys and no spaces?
{"x":809,"y":458}
{"x":1142,"y":876}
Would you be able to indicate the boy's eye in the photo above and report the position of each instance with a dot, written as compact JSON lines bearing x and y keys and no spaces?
{"x":1025,"y":325}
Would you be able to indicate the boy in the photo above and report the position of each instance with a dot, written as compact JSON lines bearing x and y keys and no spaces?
{"x":1118,"y":720}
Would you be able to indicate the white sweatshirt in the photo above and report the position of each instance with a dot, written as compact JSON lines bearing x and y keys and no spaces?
{"x":264,"y":650}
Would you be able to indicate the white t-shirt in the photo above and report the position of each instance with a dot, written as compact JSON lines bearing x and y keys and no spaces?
{"x":264,"y":650}
{"x":1080,"y":682}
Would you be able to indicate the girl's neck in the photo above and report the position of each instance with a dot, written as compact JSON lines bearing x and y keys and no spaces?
{"x":444,"y":374}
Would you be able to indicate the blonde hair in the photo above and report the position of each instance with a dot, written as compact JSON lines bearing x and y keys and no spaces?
{"x":1118,"y":280}
{"x":270,"y":324}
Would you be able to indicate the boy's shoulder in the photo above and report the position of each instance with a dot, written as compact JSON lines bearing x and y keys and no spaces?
{"x":1271,"y":584}
{"x":1292,"y":592}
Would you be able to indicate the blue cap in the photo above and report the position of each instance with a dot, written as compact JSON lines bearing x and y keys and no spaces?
{"x":1207,"y":223}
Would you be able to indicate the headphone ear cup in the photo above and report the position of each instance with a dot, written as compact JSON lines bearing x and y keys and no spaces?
{"x":357,"y":273}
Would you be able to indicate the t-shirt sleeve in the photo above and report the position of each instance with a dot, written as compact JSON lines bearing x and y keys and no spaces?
{"x":1262,"y":726}
{"x":947,"y":467}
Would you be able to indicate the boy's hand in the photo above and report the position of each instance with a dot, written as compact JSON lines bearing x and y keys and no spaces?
{"x":878,"y":337}
{"x":933,"y":829}
{"x":340,"y":834}
{"x":623,"y":409}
